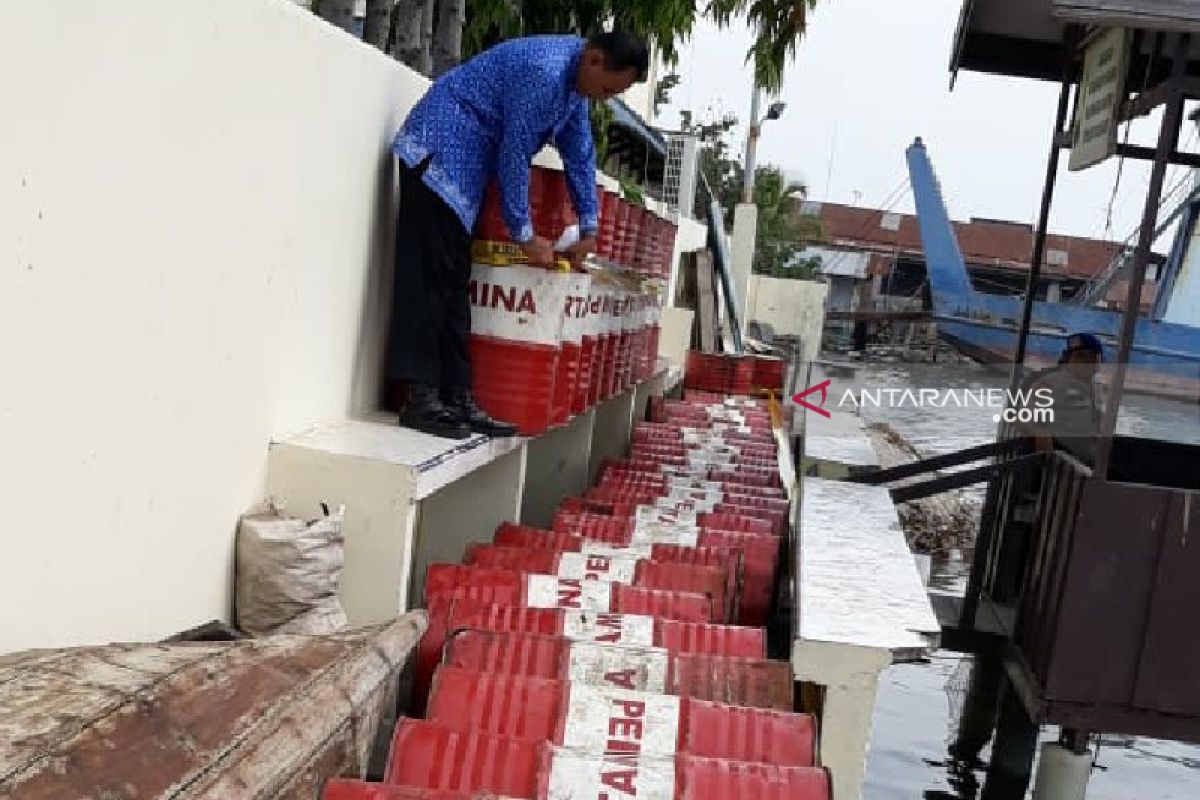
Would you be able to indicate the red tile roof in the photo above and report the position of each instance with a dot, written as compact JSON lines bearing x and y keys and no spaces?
{"x":983,"y":242}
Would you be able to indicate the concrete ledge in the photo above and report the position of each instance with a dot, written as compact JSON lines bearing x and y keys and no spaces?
{"x":413,"y":500}
{"x":431,"y":462}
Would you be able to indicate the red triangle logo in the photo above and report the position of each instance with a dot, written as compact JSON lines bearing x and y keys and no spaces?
{"x":823,"y":388}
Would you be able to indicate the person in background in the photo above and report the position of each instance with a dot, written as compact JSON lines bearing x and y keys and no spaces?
{"x":1076,"y":401}
{"x":486,"y":120}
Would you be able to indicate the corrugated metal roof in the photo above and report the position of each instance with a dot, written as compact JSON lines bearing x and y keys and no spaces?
{"x":1024,"y":38}
{"x":983,"y":242}
{"x":625,"y":117}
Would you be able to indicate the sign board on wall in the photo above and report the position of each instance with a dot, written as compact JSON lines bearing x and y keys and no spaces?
{"x":1101,"y":94}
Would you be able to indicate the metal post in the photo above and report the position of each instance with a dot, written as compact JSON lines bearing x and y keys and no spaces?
{"x":752,"y":145}
{"x":1168,"y":140}
{"x":1039,"y":239}
{"x":1013,"y":751}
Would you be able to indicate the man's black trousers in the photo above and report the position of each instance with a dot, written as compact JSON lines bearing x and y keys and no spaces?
{"x":431,"y":313}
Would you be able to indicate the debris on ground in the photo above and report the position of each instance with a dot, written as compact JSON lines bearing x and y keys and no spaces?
{"x":941,"y":525}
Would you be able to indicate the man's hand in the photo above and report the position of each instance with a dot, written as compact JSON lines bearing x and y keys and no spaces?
{"x":580,"y":251}
{"x":539,"y":252}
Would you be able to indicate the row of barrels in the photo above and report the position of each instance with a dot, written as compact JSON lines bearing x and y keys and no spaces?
{"x":621,"y":652}
{"x":630,"y":236}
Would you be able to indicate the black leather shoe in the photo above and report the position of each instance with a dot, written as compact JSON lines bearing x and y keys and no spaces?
{"x":463,"y":404}
{"x":426,"y":413}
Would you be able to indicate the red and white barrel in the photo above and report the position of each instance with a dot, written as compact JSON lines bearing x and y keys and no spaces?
{"x":509,"y":587}
{"x":606,"y":718}
{"x":612,"y":341}
{"x":754,"y":683}
{"x":653,"y":331}
{"x":631,"y":329}
{"x":587,"y":389}
{"x":571,"y":372}
{"x":515,"y":342}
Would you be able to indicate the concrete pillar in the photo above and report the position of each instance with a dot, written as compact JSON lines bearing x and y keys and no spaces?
{"x":849,"y":677}
{"x":556,"y":466}
{"x":465,"y":512}
{"x":745,"y":236}
{"x":1062,"y":774}
{"x":1054,"y":292}
{"x":610,"y":434}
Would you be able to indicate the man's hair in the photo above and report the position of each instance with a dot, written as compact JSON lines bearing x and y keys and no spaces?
{"x":623,"y":50}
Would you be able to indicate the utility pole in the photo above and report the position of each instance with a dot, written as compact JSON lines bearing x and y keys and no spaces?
{"x":752,"y":145}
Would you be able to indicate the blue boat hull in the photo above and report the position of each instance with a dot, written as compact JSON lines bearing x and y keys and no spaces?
{"x":1166,"y":356}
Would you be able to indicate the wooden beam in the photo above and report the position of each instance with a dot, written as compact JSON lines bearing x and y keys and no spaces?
{"x":880,"y":316}
{"x":1139,"y":153}
{"x":1151,"y":99}
{"x":706,"y":302}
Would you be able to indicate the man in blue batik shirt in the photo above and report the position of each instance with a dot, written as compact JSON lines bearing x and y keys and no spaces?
{"x":486,"y":120}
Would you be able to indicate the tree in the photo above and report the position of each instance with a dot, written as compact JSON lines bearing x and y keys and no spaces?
{"x":447,"y":46}
{"x":411,"y":37}
{"x":378,"y":23}
{"x":423,"y":34}
{"x":336,"y":12}
{"x":662,"y":92}
{"x":783,"y":232}
{"x":779,"y":26}
{"x":665,"y":23}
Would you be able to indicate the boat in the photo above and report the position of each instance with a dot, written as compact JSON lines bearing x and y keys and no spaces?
{"x":1165,"y":359}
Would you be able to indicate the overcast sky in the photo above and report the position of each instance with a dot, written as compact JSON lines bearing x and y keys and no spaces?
{"x":873,"y":74}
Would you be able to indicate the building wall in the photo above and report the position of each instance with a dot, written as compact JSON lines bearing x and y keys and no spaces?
{"x":791,"y":308}
{"x":640,"y":96}
{"x":197,"y":212}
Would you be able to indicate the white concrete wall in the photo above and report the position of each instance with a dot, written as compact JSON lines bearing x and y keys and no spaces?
{"x":196,"y":200}
{"x":690,"y":237}
{"x":791,"y":307}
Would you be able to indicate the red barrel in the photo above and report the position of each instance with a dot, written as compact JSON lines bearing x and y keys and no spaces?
{"x":633,"y":232}
{"x":515,"y":342}
{"x":627,"y":568}
{"x":713,"y":779}
{"x":753,"y":683}
{"x":602,"y":719}
{"x":340,"y":789}
{"x":611,"y":629}
{"x":609,"y":202}
{"x":631,"y":328}
{"x":647,"y":244}
{"x":759,"y":549}
{"x":621,"y":236}
{"x":550,"y":202}
{"x":666,"y":254}
{"x":571,"y":775}
{"x":729,"y":559}
{"x":489,"y":225}
{"x":612,"y":342}
{"x":599,"y":309}
{"x":570,"y":373}
{"x":589,"y":356}
{"x":428,"y":756}
{"x":769,"y":374}
{"x":452,"y":581}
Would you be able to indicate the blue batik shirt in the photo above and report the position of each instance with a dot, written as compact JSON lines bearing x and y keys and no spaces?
{"x":491,"y":115}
